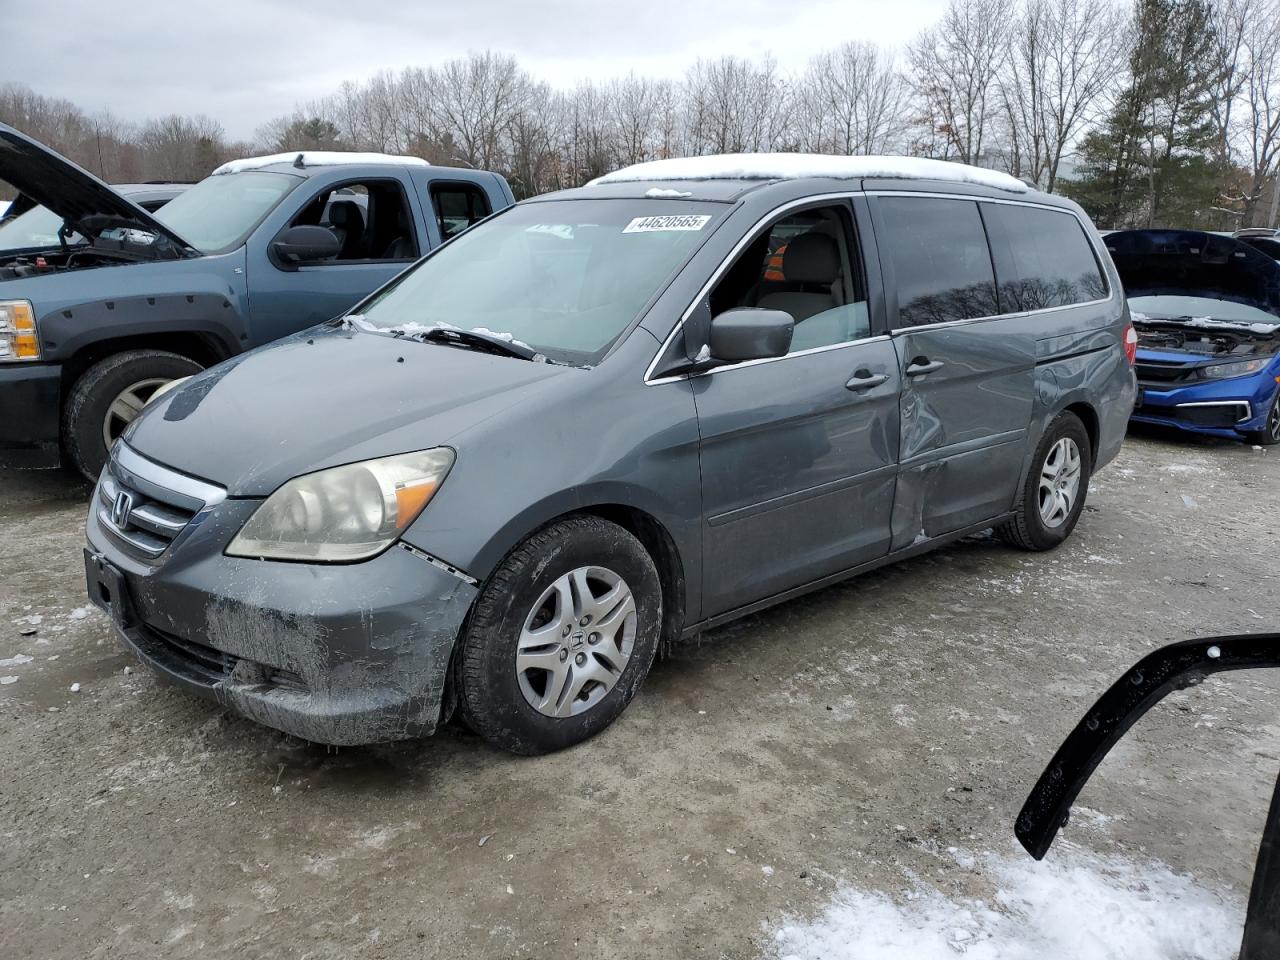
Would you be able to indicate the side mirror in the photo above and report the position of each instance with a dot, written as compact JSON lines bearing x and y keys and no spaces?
{"x":305,"y":244}
{"x":750,"y":333}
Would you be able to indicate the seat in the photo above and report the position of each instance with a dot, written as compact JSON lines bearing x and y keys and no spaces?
{"x":811,"y":265}
{"x":402,"y":246}
{"x":346,"y":220}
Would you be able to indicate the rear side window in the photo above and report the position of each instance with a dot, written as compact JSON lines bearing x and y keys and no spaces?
{"x":1053,"y":264}
{"x":458,"y":206}
{"x":941,"y":263}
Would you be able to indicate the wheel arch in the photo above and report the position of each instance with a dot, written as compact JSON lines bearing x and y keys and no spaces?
{"x":1087,"y":415}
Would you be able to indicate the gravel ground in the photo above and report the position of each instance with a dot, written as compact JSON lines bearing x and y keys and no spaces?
{"x":850,"y":737}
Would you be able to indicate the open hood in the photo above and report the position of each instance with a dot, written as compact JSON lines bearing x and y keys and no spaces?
{"x":1192,"y":263}
{"x":72,"y":193}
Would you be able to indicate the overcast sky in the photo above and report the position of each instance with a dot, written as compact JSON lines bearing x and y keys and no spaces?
{"x":245,"y":61}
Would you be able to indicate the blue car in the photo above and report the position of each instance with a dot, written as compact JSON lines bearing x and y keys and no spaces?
{"x":1207,"y":312}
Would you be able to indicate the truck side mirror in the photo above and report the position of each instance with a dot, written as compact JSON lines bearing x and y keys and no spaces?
{"x":306,"y":244}
{"x":750,"y":333}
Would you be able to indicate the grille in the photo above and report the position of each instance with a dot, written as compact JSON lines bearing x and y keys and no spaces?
{"x":147,"y":526}
{"x":145,"y":507}
{"x":1151,"y":371}
{"x":208,"y":666}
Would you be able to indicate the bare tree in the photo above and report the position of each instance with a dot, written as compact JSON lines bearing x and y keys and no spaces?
{"x":852,"y":100}
{"x":1061,"y":62}
{"x":1256,"y":128}
{"x":955,"y":67}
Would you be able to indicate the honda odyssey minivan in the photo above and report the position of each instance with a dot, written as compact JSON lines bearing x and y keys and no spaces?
{"x":605,"y":419}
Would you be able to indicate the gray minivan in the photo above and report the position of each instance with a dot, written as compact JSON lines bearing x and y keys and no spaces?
{"x":602,"y":420}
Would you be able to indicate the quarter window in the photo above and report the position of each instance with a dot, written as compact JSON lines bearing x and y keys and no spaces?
{"x":802,"y":264}
{"x":1053,"y":262}
{"x":941,"y":263}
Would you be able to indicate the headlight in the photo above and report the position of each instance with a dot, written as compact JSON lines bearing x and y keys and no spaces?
{"x":346,"y":513}
{"x":18,"y":340}
{"x":1240,"y":368}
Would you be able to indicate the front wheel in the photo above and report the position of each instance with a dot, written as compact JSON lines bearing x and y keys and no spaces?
{"x":109,"y":395}
{"x":1053,"y":495}
{"x":561,"y":637}
{"x":1269,"y":435}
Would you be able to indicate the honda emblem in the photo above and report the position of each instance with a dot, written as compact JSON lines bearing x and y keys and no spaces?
{"x":121,"y":509}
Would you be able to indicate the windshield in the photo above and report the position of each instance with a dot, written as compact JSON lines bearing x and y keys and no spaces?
{"x":1228,"y":310}
{"x":219,"y":212}
{"x":38,"y":227}
{"x":563,"y":276}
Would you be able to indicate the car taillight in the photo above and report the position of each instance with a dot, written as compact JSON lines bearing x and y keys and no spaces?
{"x":1131,"y":344}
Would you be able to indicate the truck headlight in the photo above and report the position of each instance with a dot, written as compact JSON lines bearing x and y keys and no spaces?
{"x":18,"y":339}
{"x":1240,"y":368}
{"x":345,"y":513}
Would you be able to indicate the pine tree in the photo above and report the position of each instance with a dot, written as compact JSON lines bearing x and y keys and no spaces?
{"x":1152,"y":163}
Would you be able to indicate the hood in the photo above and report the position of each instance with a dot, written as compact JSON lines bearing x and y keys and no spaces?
{"x":325,"y":397}
{"x":1192,"y":263}
{"x":76,"y":195}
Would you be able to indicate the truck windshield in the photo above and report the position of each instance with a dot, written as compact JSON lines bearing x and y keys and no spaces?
{"x":565,"y":277}
{"x":219,"y":212}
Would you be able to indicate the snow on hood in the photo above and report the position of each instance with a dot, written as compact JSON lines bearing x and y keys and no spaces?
{"x":319,"y":158}
{"x":793,"y":166}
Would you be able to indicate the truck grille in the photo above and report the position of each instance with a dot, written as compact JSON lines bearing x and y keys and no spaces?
{"x":145,"y":507}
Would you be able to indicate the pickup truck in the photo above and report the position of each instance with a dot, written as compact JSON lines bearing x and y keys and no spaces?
{"x":262,"y":248}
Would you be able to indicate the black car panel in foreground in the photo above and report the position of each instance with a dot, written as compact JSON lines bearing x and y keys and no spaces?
{"x":604,"y":419}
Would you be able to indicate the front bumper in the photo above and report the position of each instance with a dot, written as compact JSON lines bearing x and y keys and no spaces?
{"x":31,"y":403}
{"x":1228,"y":408}
{"x":339,"y":654}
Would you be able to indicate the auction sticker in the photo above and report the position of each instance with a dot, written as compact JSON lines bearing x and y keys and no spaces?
{"x":679,"y":222}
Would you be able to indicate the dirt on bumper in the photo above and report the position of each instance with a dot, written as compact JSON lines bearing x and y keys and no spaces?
{"x":341,"y":654}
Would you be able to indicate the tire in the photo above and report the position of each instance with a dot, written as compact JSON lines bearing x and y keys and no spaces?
{"x":1030,"y":529}
{"x":536,"y":587}
{"x":85,"y":416}
{"x":1269,"y":435}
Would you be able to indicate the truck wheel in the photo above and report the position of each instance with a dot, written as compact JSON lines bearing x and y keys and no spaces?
{"x":561,"y":637}
{"x":1269,"y":435}
{"x":1054,"y":493}
{"x":108,"y":396}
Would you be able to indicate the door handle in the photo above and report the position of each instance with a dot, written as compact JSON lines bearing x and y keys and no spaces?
{"x":922,"y":365}
{"x":865,"y":380}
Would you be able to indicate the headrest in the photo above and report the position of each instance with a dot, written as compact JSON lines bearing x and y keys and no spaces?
{"x":811,"y":258}
{"x":346,"y":215}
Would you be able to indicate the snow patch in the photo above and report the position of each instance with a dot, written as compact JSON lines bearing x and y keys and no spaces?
{"x":1130,"y":910}
{"x":319,"y":158}
{"x":794,"y":166}
{"x":16,"y":661}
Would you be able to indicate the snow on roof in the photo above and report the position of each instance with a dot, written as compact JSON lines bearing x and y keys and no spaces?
{"x":793,"y":166}
{"x":319,"y":158}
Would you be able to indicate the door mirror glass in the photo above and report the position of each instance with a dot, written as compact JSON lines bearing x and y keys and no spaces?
{"x":750,"y":333}
{"x":306,"y":244}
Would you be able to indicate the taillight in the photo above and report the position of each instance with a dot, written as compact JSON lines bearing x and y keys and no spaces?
{"x":1131,"y":344}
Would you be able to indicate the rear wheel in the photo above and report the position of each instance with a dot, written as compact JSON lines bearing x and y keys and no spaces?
{"x":1053,"y":495}
{"x":1269,"y":435}
{"x":109,"y":395}
{"x":561,"y":637}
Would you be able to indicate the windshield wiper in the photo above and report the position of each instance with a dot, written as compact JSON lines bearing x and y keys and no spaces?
{"x":475,"y":340}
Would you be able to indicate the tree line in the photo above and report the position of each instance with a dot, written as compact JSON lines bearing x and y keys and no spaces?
{"x":1161,"y":113}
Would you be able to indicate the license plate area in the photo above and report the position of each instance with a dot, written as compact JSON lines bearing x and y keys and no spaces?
{"x":108,"y":589}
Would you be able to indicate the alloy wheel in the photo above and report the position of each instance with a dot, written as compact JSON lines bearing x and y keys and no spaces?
{"x":127,"y":404}
{"x":576,"y":642}
{"x":1059,"y":482}
{"x":1273,"y":421}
